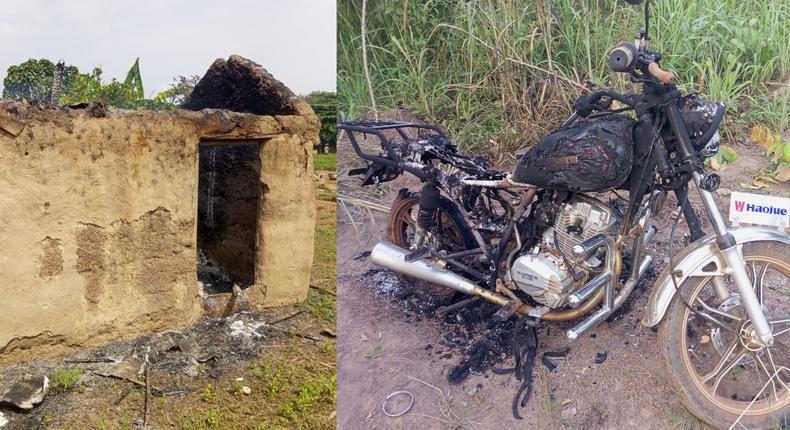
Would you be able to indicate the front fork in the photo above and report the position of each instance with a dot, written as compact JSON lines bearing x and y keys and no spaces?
{"x":729,"y":250}
{"x":735,"y":267}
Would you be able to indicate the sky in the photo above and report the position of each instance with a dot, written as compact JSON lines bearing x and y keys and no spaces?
{"x":293,"y":39}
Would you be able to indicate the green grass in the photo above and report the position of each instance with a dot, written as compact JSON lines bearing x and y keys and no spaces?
{"x":325,"y":162}
{"x":320,"y":305}
{"x":500,"y":74}
{"x":64,"y":380}
{"x":325,"y":255}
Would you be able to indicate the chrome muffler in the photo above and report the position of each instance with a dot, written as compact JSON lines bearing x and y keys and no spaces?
{"x":392,"y":257}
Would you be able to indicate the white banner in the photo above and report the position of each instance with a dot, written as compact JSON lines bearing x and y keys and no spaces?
{"x":759,"y":209}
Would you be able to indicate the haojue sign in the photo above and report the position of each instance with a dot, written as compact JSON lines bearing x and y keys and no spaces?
{"x":759,"y":209}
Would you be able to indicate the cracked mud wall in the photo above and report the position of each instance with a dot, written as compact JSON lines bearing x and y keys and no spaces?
{"x":98,"y":222}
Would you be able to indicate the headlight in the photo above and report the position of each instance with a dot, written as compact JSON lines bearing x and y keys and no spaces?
{"x":712,"y":147}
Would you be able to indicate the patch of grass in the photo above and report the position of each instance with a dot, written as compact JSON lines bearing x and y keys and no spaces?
{"x":501,"y":75}
{"x":683,"y":420}
{"x":319,"y":305}
{"x":325,"y":254}
{"x":325,"y":162}
{"x":308,"y":393}
{"x":209,"y":393}
{"x":675,"y":419}
{"x":276,"y":377}
{"x":325,"y":193}
{"x":327,"y":348}
{"x":64,"y":380}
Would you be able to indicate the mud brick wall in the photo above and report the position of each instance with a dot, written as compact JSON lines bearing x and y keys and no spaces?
{"x":98,"y":220}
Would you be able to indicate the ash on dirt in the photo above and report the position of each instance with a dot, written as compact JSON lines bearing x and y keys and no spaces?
{"x":412,"y":297}
{"x":213,"y":345}
{"x":213,"y":279}
{"x":482,"y":342}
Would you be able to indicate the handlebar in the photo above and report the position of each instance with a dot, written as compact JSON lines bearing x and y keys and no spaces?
{"x":663,"y":76}
{"x":626,"y":58}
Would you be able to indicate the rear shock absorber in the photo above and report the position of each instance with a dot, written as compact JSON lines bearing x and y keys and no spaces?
{"x":429,"y":202}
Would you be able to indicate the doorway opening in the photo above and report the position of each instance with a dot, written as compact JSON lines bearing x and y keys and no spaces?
{"x":228,"y":194}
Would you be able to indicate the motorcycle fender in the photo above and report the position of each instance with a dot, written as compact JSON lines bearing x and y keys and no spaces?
{"x":701,"y":258}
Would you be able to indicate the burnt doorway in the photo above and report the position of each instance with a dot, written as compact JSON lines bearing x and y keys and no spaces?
{"x":228,"y":194}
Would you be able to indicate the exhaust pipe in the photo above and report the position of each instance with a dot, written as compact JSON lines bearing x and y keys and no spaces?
{"x":392,"y":257}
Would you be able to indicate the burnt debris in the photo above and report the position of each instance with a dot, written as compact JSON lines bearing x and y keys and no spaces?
{"x":240,"y":85}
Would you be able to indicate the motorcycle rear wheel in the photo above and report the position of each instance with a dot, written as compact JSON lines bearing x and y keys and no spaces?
{"x":721,"y":377}
{"x":449,"y":230}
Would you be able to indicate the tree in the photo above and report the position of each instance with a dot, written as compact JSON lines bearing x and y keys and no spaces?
{"x":324,"y":105}
{"x":127,"y":94}
{"x":179,"y":90}
{"x":33,"y":79}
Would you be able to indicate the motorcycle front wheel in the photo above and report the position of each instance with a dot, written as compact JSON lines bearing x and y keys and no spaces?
{"x":723,"y":378}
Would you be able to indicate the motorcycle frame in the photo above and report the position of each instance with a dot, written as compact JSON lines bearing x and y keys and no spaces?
{"x":657,"y":103}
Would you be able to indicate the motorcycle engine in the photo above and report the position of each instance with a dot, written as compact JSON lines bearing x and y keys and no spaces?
{"x":542,"y":272}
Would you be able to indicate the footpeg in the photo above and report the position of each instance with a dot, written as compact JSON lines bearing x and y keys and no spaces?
{"x":417,"y":255}
{"x":539,"y":312}
{"x":505,"y":312}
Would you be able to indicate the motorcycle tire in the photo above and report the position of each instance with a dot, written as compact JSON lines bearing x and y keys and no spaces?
{"x":675,"y":331}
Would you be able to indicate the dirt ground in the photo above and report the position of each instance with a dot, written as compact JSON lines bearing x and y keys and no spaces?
{"x":261,"y":370}
{"x":388,"y":344}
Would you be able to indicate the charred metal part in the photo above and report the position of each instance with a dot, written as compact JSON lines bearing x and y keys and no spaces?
{"x":392,"y":257}
{"x":590,"y":155}
{"x":505,"y":183}
{"x":505,"y":312}
{"x":523,"y":370}
{"x":688,"y":213}
{"x":455,"y":306}
{"x":710,"y":182}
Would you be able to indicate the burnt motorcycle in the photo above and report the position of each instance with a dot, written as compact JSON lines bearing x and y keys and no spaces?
{"x":545,"y":243}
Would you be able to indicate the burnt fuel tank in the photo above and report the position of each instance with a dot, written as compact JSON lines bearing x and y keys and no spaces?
{"x":589,"y":155}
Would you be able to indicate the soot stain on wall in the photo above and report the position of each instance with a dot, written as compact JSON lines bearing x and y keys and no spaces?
{"x":228,"y":190}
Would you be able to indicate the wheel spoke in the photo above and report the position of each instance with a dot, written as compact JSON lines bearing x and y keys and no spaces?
{"x":782,"y":320}
{"x":776,"y":371}
{"x":721,"y":363}
{"x":767,"y":372}
{"x":713,"y":310}
{"x":741,"y":353}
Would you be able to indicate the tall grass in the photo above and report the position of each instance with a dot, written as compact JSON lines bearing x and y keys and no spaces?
{"x":504,"y":73}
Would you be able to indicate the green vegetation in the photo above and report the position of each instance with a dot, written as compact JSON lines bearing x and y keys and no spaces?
{"x":209,"y":393}
{"x":324,"y":105}
{"x":320,"y":305}
{"x":501,"y":74}
{"x":325,"y":255}
{"x":64,"y":380}
{"x":325,"y":162}
{"x":308,"y":393}
{"x":33,"y":79}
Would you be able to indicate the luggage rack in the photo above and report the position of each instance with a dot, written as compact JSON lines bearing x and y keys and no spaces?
{"x":377,"y":128}
{"x":389,"y":163}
